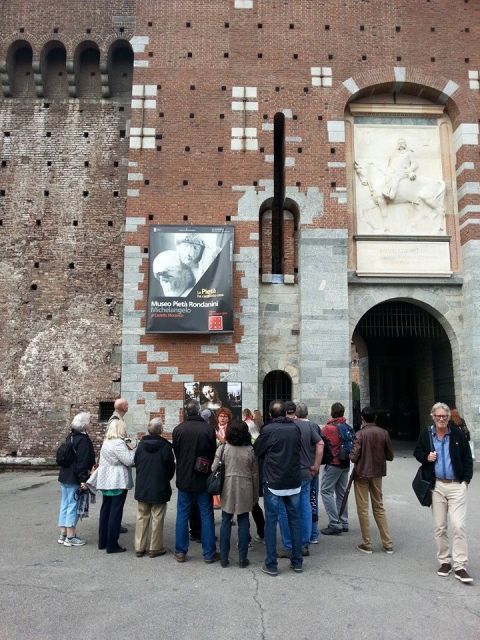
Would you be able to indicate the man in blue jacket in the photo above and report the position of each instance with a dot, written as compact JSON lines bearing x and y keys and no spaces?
{"x":449,"y":467}
{"x":279,"y":445}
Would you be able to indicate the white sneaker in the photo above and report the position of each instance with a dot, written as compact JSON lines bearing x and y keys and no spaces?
{"x":61,"y":539}
{"x":74,"y":542}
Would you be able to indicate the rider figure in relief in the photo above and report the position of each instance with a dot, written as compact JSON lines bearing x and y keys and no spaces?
{"x":400,"y":165}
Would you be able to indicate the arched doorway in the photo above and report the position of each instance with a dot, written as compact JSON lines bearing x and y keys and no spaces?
{"x":277,"y":385}
{"x":404,"y":365}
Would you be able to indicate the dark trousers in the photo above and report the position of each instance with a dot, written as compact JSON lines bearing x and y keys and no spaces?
{"x":259,"y":519}
{"x":110,"y":521}
{"x":226,"y":532}
{"x":195,"y":522}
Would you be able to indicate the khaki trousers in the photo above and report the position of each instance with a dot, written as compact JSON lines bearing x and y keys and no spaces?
{"x":373,"y":487}
{"x":450,"y":498}
{"x":146,"y":513}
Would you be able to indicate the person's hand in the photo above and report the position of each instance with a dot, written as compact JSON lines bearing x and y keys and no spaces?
{"x":314,"y":470}
{"x":83,"y":485}
{"x":432,"y":456}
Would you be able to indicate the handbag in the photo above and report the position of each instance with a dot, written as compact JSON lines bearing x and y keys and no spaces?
{"x":216,"y":478}
{"x":422,"y":487}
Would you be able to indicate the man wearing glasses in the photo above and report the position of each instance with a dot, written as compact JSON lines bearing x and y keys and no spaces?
{"x":448,"y":464}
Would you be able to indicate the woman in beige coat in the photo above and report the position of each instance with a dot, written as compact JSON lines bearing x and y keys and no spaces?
{"x":240,"y":489}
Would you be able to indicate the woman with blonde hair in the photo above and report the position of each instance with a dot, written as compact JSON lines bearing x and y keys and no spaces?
{"x":113,"y":480}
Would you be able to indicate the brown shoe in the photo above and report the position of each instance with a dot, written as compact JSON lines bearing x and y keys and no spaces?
{"x":463,"y":576}
{"x":445,"y":570}
{"x":364,"y":549}
{"x":140,"y":554}
{"x":180,"y":557}
{"x":155,"y":554}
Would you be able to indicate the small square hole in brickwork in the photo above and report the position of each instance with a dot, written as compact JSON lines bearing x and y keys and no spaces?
{"x":320,"y":117}
{"x":228,"y":218}
{"x":399,"y":58}
{"x":260,"y":25}
{"x":291,"y":26}
{"x":115,"y":163}
{"x":159,"y":148}
{"x":121,"y":108}
{"x":364,"y":57}
{"x":189,"y":54}
{"x":224,"y":88}
{"x":2,"y":193}
{"x":71,"y":265}
{"x":146,"y":182}
{"x":159,"y":86}
{"x":121,"y":29}
{"x":185,"y":218}
{"x":49,"y":163}
{"x":105,"y":410}
{"x":432,"y":59}
{"x":75,"y":223}
{"x":327,"y":27}
{"x":49,"y":134}
{"x":46,"y":193}
{"x":255,"y":183}
{"x":150,"y":216}
{"x":227,"y":25}
{"x":330,"y":56}
{"x":48,"y":316}
{"x":36,"y":265}
{"x":298,"y":184}
{"x":222,"y":116}
{"x":55,"y":30}
{"x":259,"y":55}
{"x":161,"y":114}
{"x":185,"y":182}
{"x":108,"y":300}
{"x":85,"y":194}
{"x":277,"y":89}
{"x":432,"y":29}
{"x":22,"y":29}
{"x":305,"y":89}
{"x":46,"y":105}
{"x":145,"y":249}
{"x":295,"y":56}
{"x":65,"y":367}
{"x":262,"y":149}
{"x":219,"y":183}
{"x":6,"y":134}
{"x":362,"y":27}
{"x":122,"y":133}
{"x":225,"y":55}
{"x":467,"y":29}
{"x":86,"y":163}
{"x":397,"y":29}
{"x":299,"y":150}
{"x":88,"y":30}
{"x":265,"y":116}
{"x":192,"y":87}
{"x":150,"y":54}
{"x":467,"y":59}
{"x":1,"y":223}
{"x":332,"y":149}
{"x":108,"y":266}
{"x":220,"y":149}
{"x":188,"y":24}
{"x":333,"y":185}
{"x":115,"y":194}
{"x":150,"y":24}
{"x":192,"y":115}
{"x":294,"y":117}
{"x":38,"y":223}
{"x":33,"y":287}
{"x":4,"y":163}
{"x":187,"y":149}
{"x":110,"y":223}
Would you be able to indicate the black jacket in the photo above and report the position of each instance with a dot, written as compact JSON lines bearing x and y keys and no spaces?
{"x":191,"y":439}
{"x":79,"y":470}
{"x":279,"y":446}
{"x":155,"y":466}
{"x":460,"y":455}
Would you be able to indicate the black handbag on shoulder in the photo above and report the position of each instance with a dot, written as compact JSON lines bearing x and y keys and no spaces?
{"x":422,"y":487}
{"x":216,"y":478}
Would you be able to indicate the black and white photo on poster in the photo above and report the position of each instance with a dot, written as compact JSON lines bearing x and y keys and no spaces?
{"x":214,"y":395}
{"x":190,"y":279}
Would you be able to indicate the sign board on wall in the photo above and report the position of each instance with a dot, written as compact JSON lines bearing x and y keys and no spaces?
{"x":190,"y":279}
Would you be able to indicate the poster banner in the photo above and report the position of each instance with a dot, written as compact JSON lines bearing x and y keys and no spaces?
{"x":213,"y":395}
{"x":190,"y":279}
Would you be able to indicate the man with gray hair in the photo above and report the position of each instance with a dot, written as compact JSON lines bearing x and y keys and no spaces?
{"x":447,"y":463}
{"x":155,"y":466}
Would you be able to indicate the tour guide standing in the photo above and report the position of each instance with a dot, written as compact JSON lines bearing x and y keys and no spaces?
{"x":450,"y":468}
{"x":371,"y":450}
{"x":279,"y":446}
{"x":194,"y":445}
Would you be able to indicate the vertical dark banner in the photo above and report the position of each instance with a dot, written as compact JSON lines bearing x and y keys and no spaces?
{"x":190,"y":279}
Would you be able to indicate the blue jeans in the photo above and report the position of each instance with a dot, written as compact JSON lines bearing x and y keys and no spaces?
{"x":184,"y":503}
{"x":314,"y":505}
{"x":272,"y":504}
{"x":305,"y":515}
{"x":67,"y":516}
{"x":243,"y":522}
{"x":333,"y":488}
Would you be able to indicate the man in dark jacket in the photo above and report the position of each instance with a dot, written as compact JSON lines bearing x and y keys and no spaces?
{"x":278,"y":445}
{"x":371,"y":450}
{"x":194,"y":444}
{"x":449,"y":466}
{"x":155,"y":466}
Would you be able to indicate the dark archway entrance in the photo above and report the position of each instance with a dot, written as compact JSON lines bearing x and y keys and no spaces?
{"x":406,"y":365}
{"x":277,"y":385}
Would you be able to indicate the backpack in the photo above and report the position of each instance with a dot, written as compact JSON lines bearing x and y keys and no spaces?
{"x":347,"y":436}
{"x":327,"y":451}
{"x":66,"y":453}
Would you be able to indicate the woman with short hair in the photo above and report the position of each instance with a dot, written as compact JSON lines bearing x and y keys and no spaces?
{"x":113,"y":480}
{"x":73,"y":478}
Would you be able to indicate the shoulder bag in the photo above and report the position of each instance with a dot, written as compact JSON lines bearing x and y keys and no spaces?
{"x":216,"y":478}
{"x":422,"y":487}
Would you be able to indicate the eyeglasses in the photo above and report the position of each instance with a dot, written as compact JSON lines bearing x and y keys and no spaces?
{"x":440,"y":417}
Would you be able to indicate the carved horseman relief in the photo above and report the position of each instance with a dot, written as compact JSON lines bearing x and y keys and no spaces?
{"x":399,"y":189}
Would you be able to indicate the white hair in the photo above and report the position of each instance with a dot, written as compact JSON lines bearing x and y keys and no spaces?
{"x":155,"y":427}
{"x":440,"y":405}
{"x":80,"y":421}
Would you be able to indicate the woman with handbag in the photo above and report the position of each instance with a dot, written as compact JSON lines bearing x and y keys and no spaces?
{"x":240,"y":488}
{"x":114,"y":478}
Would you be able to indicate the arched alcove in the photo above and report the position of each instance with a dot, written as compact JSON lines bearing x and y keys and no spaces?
{"x":54,"y":72}
{"x":87,"y":70}
{"x":277,"y":385}
{"x":120,"y":70}
{"x":19,"y":67}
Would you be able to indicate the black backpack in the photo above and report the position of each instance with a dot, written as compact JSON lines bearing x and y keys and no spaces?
{"x":66,"y":453}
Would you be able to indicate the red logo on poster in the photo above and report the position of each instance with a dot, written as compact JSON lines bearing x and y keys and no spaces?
{"x":215,"y":323}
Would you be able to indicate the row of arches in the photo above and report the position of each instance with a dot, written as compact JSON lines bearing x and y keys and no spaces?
{"x":54,"y":76}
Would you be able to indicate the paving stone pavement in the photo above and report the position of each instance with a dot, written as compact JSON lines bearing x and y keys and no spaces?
{"x":49,"y":592}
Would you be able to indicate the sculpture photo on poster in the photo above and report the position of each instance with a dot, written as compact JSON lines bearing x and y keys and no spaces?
{"x":214,"y":395}
{"x":190,"y":279}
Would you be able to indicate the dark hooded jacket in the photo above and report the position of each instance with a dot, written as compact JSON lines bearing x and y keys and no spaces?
{"x":84,"y":459}
{"x":155,"y":466}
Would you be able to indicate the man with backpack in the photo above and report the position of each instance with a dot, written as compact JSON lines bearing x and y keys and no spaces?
{"x":339,"y":436}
